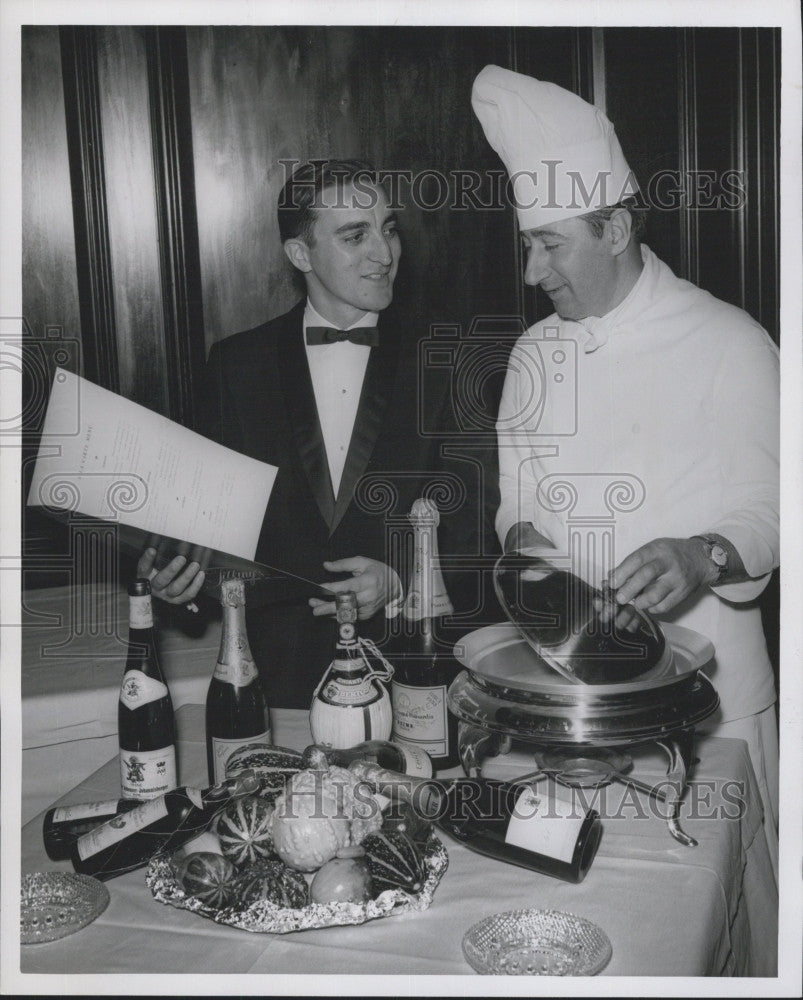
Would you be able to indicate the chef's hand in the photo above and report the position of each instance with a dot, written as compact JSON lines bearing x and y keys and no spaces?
{"x":375,"y":584}
{"x":660,"y":574}
{"x":177,"y":583}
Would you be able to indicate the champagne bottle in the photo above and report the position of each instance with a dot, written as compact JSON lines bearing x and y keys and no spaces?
{"x":130,"y":839}
{"x":424,"y":667}
{"x":145,"y":722}
{"x":236,"y":711}
{"x":63,"y":825}
{"x":516,"y":823}
{"x":351,"y":704}
{"x":393,"y":756}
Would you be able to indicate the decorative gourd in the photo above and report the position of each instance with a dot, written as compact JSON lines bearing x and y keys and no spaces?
{"x":244,"y":830}
{"x":394,"y":861}
{"x":208,"y":877}
{"x":320,"y":812}
{"x":342,"y":880}
{"x":402,"y":816}
{"x":274,"y":766}
{"x":274,"y":881}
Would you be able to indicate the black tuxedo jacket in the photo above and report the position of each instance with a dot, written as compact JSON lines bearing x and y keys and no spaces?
{"x":259,"y":401}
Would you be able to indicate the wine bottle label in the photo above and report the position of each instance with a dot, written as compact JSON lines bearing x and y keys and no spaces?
{"x":544,"y":824}
{"x":415,"y":610}
{"x":146,"y":774}
{"x":240,"y":672}
{"x":354,"y":690}
{"x":120,"y":827}
{"x":416,"y":760}
{"x":222,"y":749}
{"x":140,"y":612}
{"x":85,"y":810}
{"x":139,"y":689}
{"x":420,"y":717}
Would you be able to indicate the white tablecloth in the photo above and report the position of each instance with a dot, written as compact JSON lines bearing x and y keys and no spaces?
{"x":668,"y":910}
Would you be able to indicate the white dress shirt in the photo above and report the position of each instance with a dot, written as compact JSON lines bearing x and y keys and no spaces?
{"x":337,"y":372}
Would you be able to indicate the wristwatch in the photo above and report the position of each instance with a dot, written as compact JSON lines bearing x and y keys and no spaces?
{"x":717,"y":553}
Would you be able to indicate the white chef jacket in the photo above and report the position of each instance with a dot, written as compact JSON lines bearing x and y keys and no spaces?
{"x":674,"y":396}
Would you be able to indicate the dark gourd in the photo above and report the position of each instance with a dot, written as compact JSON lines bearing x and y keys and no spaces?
{"x":403,"y":817}
{"x":274,"y":881}
{"x":274,"y":766}
{"x":208,"y":877}
{"x":394,"y":861}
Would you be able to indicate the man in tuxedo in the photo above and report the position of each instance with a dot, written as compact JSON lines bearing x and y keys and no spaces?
{"x":330,"y":394}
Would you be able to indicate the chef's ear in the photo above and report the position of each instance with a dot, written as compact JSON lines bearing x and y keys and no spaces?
{"x":620,"y":227}
{"x":298,"y":254}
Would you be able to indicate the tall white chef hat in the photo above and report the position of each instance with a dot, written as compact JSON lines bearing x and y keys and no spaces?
{"x":562,"y":154}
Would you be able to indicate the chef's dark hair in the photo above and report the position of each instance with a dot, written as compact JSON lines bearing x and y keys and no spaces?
{"x":638,"y":214}
{"x":296,"y":207}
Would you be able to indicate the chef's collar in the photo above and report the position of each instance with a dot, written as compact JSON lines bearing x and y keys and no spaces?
{"x":598,"y":328}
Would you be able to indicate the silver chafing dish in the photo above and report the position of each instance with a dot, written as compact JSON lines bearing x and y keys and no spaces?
{"x":578,"y":688}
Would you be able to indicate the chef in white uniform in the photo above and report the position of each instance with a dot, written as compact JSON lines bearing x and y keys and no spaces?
{"x":642,"y":404}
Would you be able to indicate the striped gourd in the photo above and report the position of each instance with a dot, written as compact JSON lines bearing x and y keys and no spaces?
{"x":244,"y":829}
{"x":274,"y":881}
{"x":208,"y":877}
{"x":394,"y":861}
{"x":274,"y":766}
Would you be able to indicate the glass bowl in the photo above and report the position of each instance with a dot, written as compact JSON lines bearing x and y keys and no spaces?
{"x":55,"y":904}
{"x":536,"y":943}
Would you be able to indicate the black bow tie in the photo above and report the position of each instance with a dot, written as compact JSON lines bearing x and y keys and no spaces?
{"x":366,"y":335}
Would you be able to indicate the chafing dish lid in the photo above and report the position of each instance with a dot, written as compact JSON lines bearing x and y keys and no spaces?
{"x":562,"y":617}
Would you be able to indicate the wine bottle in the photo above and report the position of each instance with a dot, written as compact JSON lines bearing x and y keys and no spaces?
{"x":351,"y":704}
{"x":130,"y":839}
{"x":393,"y":756}
{"x":145,"y":723}
{"x":511,"y":822}
{"x":424,"y":666}
{"x":63,"y":825}
{"x":236,"y":711}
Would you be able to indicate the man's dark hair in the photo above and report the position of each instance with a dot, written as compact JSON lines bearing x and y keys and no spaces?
{"x":638,"y":213}
{"x":297,"y":199}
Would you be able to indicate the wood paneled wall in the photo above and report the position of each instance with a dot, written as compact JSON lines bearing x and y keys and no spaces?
{"x":50,"y":280}
{"x":697,"y":112}
{"x":153,"y":161}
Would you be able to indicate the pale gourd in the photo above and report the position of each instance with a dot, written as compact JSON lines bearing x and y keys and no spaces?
{"x":319,"y":813}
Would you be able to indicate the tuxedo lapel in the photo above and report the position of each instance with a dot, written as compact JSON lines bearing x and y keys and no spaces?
{"x":376,"y":389}
{"x":303,"y":413}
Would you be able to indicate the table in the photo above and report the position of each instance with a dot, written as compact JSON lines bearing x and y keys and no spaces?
{"x":74,"y":642}
{"x":668,"y":910}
